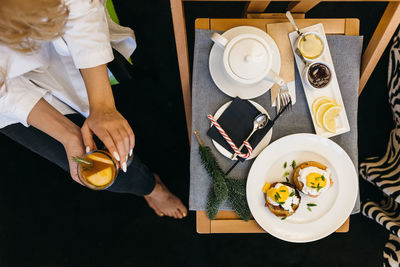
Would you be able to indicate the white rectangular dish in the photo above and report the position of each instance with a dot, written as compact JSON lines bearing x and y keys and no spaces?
{"x":331,"y":90}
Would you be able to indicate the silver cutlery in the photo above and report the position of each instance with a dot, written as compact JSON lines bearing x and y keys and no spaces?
{"x":284,"y":98}
{"x":259,"y":122}
{"x":270,"y":124}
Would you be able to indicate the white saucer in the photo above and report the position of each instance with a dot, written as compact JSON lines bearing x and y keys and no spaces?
{"x":263,"y":143}
{"x":226,"y":84}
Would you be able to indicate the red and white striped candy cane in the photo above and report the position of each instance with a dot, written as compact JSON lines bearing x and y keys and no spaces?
{"x":229,"y":140}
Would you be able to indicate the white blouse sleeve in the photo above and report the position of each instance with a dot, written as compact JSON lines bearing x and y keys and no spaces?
{"x":87,"y":34}
{"x":18,"y":98}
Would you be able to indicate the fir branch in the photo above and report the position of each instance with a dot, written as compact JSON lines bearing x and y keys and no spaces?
{"x":219,"y":191}
{"x":237,"y":197}
{"x":212,"y":205}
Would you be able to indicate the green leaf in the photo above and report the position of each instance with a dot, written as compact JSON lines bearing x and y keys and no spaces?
{"x":283,"y":218}
{"x":323,"y":178}
{"x":285,"y":165}
{"x":293,"y":164}
{"x":282,"y":190}
{"x":287,"y":179}
{"x":279,"y":196}
{"x":311,"y":204}
{"x":309,"y":209}
{"x":292,"y":194}
{"x":286,"y":174}
{"x":280,"y":203}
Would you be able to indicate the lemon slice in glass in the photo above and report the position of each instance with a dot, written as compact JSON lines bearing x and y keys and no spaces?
{"x":319,"y":101}
{"x":321,"y":111}
{"x":329,"y":118}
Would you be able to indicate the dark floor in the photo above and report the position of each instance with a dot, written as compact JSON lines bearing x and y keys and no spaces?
{"x":48,"y":220}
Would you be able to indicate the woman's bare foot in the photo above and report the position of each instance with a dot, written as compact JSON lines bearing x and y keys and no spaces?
{"x":163,"y":202}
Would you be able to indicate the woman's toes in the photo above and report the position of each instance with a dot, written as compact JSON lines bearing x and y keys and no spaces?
{"x":182,"y":213}
{"x":177,"y":215}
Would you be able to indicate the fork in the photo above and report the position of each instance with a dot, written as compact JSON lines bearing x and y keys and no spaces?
{"x":284,"y":98}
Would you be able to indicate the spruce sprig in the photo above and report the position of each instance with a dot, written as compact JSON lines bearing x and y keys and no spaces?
{"x":217,"y":175}
{"x":237,"y":197}
{"x":222,"y":187}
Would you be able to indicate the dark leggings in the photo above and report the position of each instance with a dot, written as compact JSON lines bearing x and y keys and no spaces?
{"x":138,"y":180}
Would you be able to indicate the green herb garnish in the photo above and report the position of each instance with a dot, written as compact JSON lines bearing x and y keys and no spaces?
{"x":283,"y":218}
{"x":282,"y":190}
{"x":311,"y":204}
{"x":280,"y":203}
{"x":318,"y":187}
{"x":316,"y":179}
{"x":286,"y":174}
{"x":291,"y":194}
{"x":323,"y":178}
{"x":309,"y":209}
{"x":82,"y":161}
{"x":293,"y":164}
{"x":287,"y":179}
{"x":279,"y":196}
{"x":312,"y":183}
{"x":285,"y":165}
{"x":276,"y":198}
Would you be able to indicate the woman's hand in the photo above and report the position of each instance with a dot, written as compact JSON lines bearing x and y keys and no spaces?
{"x":113,"y":130}
{"x":74,"y":148}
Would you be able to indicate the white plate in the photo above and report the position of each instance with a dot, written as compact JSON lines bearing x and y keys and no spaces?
{"x":263,"y":143}
{"x":333,"y":207}
{"x":226,"y":84}
{"x":332,"y":89}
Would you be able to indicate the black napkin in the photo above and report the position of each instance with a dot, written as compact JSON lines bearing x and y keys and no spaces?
{"x":237,"y":121}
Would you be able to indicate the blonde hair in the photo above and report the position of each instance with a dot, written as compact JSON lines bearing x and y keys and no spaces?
{"x":25,"y":22}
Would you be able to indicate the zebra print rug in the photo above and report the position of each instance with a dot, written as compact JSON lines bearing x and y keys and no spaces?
{"x":384,"y":172}
{"x":387,"y":214}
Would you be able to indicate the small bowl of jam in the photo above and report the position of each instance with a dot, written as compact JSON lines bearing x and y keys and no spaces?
{"x":318,"y":75}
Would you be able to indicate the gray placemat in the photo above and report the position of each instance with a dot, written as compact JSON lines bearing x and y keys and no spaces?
{"x":207,"y":98}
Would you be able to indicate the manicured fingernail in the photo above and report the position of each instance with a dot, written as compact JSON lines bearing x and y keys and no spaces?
{"x":124,"y":166}
{"x":130,"y":152}
{"x":161,"y":214}
{"x":184,"y":214}
{"x":87,"y":149}
{"x":116,"y":156}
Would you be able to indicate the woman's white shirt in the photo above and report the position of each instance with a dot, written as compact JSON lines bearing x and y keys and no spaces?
{"x":52,"y":72}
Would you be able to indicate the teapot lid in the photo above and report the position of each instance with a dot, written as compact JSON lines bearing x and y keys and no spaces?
{"x":248,"y":58}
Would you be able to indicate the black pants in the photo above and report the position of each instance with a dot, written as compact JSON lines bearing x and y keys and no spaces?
{"x":137,"y":180}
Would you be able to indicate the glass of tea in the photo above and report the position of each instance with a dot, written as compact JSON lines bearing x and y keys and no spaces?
{"x":97,"y":169}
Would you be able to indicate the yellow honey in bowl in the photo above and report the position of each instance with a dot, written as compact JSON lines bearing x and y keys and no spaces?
{"x":311,"y":46}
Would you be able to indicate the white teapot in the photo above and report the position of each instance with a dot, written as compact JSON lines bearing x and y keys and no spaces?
{"x":247,"y":59}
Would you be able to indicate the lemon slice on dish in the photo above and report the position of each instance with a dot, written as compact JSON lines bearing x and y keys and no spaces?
{"x":319,"y":101}
{"x":329,"y":118}
{"x":321,"y":111}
